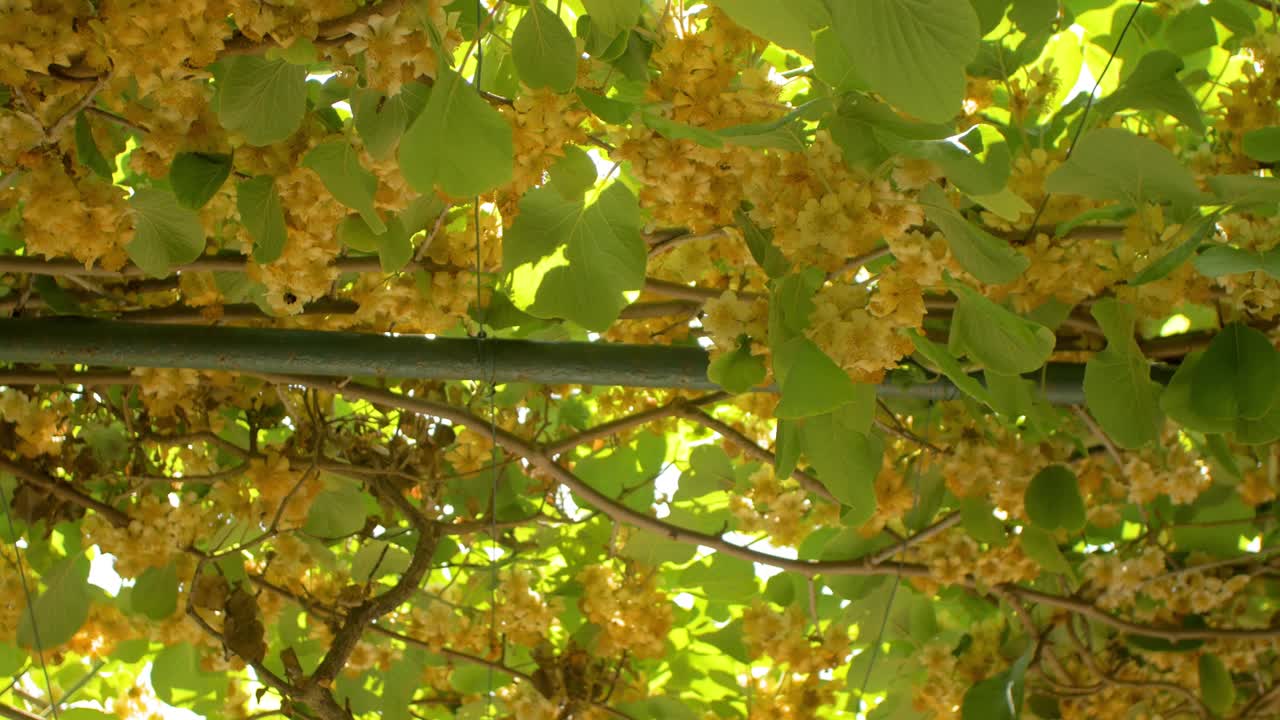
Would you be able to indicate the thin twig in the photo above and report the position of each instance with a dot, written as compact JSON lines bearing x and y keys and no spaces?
{"x":749,"y":446}
{"x":1098,"y":432}
{"x":933,"y":530}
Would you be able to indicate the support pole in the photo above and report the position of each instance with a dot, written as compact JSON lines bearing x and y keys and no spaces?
{"x":108,"y":343}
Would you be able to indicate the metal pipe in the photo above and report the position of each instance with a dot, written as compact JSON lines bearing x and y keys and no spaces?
{"x":108,"y":343}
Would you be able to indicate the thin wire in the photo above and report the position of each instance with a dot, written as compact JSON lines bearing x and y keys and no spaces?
{"x":31,"y":607}
{"x":482,"y":311}
{"x":875,"y":647}
{"x":893,"y":591}
{"x":1088,"y":105}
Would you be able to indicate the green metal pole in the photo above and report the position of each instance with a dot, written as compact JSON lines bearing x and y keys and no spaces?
{"x":107,"y":343}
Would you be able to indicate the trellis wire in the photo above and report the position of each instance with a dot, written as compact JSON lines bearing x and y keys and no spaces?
{"x":482,"y":311}
{"x":1075,"y":138}
{"x":1088,"y":105}
{"x":31,"y":607}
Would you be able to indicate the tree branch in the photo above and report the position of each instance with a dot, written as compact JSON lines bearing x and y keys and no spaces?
{"x":361,"y":617}
{"x":623,"y":514}
{"x":13,"y":713}
{"x":937,"y":528}
{"x":807,"y":481}
{"x":623,"y":424}
{"x":64,"y":491}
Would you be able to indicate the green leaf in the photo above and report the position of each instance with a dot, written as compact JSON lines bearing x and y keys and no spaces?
{"x":787,"y":448}
{"x":1227,"y":260}
{"x":1053,"y":499}
{"x":1033,"y":16}
{"x":381,"y":119}
{"x":564,"y":260}
{"x":336,"y":513}
{"x":473,"y":678}
{"x":833,"y":64}
{"x":394,"y":246}
{"x":1245,"y":190}
{"x":1173,"y":259}
{"x":1039,"y":545}
{"x":1115,"y":164}
{"x":811,"y":382}
{"x":996,"y":337}
{"x":958,"y":162}
{"x":782,"y":134}
{"x":611,"y":473}
{"x":738,"y":370}
{"x":58,"y":612}
{"x":196,"y":177}
{"x":56,"y":297}
{"x":263,"y":100}
{"x":1216,"y":529}
{"x":1263,"y":144}
{"x":263,"y":216}
{"x":339,"y":168}
{"x":611,"y":17}
{"x":978,"y":521}
{"x":109,"y":443}
{"x":986,"y":257}
{"x":166,"y":234}
{"x":573,"y":174}
{"x":912,"y":52}
{"x":1175,"y":401}
{"x":760,"y":243}
{"x":847,"y":461}
{"x":709,"y":470}
{"x":724,"y":579}
{"x":1118,"y":388}
{"x":614,"y":112}
{"x":1021,"y":403}
{"x":729,"y":640}
{"x":84,"y":713}
{"x":1104,"y":213}
{"x":1238,"y":376}
{"x":1154,"y":85}
{"x":790,"y":305}
{"x":653,"y":550}
{"x":156,"y":593}
{"x":355,"y":234}
{"x":661,"y":708}
{"x":376,"y":559}
{"x":176,"y":675}
{"x":544,"y":50}
{"x":87,"y":151}
{"x":674,"y":130}
{"x":1217,"y":689}
{"x":399,"y":683}
{"x":947,"y":364}
{"x":1259,"y":431}
{"x":1191,"y":30}
{"x":459,"y":142}
{"x":999,"y":697}
{"x":786,"y":24}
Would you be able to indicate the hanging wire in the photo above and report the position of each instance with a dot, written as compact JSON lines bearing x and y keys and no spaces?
{"x":893,"y":591}
{"x":1088,"y":105}
{"x":482,"y":312}
{"x":31,"y":607}
{"x":1044,"y":203}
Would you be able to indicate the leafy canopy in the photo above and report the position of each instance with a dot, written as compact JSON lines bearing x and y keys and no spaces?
{"x":995,"y":387}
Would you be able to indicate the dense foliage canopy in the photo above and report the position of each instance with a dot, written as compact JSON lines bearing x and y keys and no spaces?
{"x":991,"y":289}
